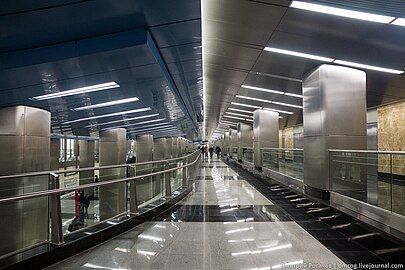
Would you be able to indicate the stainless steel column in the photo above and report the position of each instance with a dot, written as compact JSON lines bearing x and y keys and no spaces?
{"x":334,"y":118}
{"x":112,"y":152}
{"x":227,"y":143}
{"x":159,"y":153}
{"x":265,"y":134}
{"x":25,"y":147}
{"x":86,"y":160}
{"x":168,"y":155}
{"x":169,"y":148}
{"x":144,"y":152}
{"x":245,"y":138}
{"x":233,"y":142}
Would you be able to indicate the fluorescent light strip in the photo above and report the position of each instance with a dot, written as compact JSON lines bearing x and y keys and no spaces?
{"x":286,"y":104}
{"x":152,"y":129}
{"x":140,"y":123}
{"x":303,"y":55}
{"x":246,"y":105}
{"x":352,"y":64}
{"x":342,"y":12}
{"x":172,"y":129}
{"x":270,"y":91}
{"x":238,"y":114}
{"x":87,"y":89}
{"x":399,"y":21}
{"x":262,"y":89}
{"x":105,"y":104}
{"x":108,"y":115}
{"x":275,"y":76}
{"x":238,"y":110}
{"x":228,"y":122}
{"x":336,"y":61}
{"x":127,"y":119}
{"x":255,"y":99}
{"x":234,"y":117}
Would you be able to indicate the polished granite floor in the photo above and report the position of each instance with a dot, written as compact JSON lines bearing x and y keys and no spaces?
{"x":233,"y":221}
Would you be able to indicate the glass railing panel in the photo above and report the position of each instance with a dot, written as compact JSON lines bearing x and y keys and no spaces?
{"x":24,"y":223}
{"x":247,"y":155}
{"x":398,"y":183}
{"x":285,"y":161}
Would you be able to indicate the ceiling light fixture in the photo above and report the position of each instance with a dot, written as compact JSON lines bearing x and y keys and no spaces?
{"x":108,"y":115}
{"x":238,"y":114}
{"x":352,"y":64}
{"x":81,"y":90}
{"x":275,"y":110}
{"x":293,"y":95}
{"x":303,"y":55}
{"x":287,"y":104}
{"x":275,"y":76}
{"x":399,"y":21}
{"x":255,"y":99}
{"x":246,"y":105}
{"x":152,"y":128}
{"x":234,"y":117}
{"x":105,"y":104}
{"x":140,"y":123}
{"x":342,"y":12}
{"x":129,"y":119}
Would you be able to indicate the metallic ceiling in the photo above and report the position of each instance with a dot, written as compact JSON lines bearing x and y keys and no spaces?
{"x":235,"y":33}
{"x":151,"y":48}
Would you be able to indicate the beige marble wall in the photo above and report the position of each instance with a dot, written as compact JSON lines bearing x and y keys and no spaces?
{"x":289,"y":142}
{"x":280,"y":139}
{"x":391,"y":137}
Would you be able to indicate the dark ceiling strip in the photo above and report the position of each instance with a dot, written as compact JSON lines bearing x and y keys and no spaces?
{"x":43,"y":8}
{"x":176,"y":22}
{"x":155,"y":51}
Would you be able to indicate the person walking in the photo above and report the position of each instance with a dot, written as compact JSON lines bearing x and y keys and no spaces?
{"x":218,"y":151}
{"x":86,"y":205}
{"x":211,"y":150}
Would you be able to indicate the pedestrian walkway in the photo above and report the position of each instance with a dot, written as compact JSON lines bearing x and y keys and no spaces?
{"x":225,"y":223}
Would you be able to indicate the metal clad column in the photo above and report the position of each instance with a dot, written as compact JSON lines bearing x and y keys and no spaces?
{"x":226,"y":144}
{"x":334,"y":118}
{"x":144,"y":151}
{"x":245,"y":138}
{"x":54,"y":154}
{"x":112,"y":152}
{"x":265,"y":133}
{"x":233,"y":142}
{"x":86,"y":160}
{"x":25,"y":147}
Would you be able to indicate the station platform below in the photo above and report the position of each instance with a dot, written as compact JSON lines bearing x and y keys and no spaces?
{"x":233,"y":220}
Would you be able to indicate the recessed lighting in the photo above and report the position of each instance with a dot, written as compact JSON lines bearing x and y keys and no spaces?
{"x":239,"y":118}
{"x":275,"y":76}
{"x":303,"y":55}
{"x":167,"y":126}
{"x":139,"y":123}
{"x":280,"y":111}
{"x":287,"y":104}
{"x":352,"y":64}
{"x":342,"y":12}
{"x":399,"y":21}
{"x":262,"y":89}
{"x":105,"y":104}
{"x":108,"y":115}
{"x":255,"y":99}
{"x":238,"y":114}
{"x":293,"y":95}
{"x":238,"y":110}
{"x":246,"y":105}
{"x":82,"y":90}
{"x":153,"y":130}
{"x":127,"y":119}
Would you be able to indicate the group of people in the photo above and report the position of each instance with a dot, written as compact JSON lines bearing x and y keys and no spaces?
{"x":205,"y":149}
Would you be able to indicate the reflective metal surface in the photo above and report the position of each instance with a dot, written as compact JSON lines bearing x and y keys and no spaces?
{"x":25,"y":144}
{"x":265,"y":133}
{"x":245,"y":138}
{"x":112,"y":152}
{"x":331,"y":121}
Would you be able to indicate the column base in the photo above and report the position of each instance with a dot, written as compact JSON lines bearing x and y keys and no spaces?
{"x":317,"y":193}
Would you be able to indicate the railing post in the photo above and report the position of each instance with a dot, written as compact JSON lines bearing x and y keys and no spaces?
{"x":185,"y":170}
{"x":168,"y":188}
{"x":55,"y":212}
{"x":133,"y":199}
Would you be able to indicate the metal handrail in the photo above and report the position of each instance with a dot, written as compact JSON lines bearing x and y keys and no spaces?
{"x":59,"y":191}
{"x":368,"y":151}
{"x":91,"y":168}
{"x":289,"y":149}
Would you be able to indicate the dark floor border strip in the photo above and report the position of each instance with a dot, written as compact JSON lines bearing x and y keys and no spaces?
{"x":80,"y":241}
{"x":343,"y":254}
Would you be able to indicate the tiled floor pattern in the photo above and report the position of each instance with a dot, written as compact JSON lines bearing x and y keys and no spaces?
{"x":226,"y":223}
